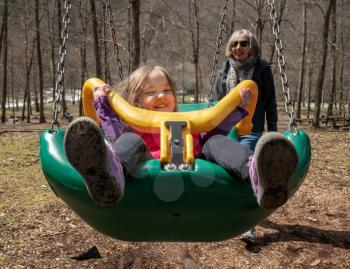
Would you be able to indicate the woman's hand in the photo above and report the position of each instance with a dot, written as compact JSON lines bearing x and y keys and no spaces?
{"x":245,"y":95}
{"x":102,"y":90}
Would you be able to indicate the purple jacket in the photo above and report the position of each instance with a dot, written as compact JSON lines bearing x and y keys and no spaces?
{"x":114,"y":127}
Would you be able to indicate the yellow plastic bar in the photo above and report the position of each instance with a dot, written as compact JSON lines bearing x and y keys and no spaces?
{"x":153,"y":121}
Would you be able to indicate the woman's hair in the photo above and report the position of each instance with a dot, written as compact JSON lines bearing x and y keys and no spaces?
{"x":253,"y":44}
{"x":131,"y":89}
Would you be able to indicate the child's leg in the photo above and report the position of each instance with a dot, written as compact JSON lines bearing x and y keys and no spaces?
{"x":229,"y":154}
{"x":271,"y":168}
{"x":131,"y":150}
{"x":87,"y":151}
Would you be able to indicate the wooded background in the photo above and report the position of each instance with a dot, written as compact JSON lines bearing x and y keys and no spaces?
{"x":181,"y":35}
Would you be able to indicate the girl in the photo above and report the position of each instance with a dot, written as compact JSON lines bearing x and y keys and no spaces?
{"x":104,"y":166}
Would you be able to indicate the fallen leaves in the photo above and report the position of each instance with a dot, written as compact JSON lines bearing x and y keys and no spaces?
{"x":310,"y":231}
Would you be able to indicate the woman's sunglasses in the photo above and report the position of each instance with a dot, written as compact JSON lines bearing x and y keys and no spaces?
{"x":242,"y":44}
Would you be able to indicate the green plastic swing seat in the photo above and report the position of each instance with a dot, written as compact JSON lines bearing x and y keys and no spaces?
{"x":205,"y":204}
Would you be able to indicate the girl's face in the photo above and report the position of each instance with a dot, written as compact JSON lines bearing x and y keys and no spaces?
{"x":157,"y":93}
{"x":240,"y":48}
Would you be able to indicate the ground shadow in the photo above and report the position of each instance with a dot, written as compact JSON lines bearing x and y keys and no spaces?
{"x":340,"y":239}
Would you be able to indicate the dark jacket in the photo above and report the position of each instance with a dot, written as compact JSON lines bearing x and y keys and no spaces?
{"x":266,"y":104}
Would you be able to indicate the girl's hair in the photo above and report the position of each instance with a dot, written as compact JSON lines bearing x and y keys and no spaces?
{"x":253,"y":44}
{"x":132,"y":88}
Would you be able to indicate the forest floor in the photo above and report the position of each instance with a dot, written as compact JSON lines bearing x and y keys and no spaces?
{"x":37,"y":230}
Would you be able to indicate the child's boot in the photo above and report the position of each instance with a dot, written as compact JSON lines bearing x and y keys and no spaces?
{"x":87,"y":151}
{"x":271,"y":168}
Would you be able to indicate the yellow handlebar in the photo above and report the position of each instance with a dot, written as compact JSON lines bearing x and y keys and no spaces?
{"x":198,"y":121}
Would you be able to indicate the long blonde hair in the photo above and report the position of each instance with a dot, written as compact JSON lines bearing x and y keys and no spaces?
{"x":131,"y":89}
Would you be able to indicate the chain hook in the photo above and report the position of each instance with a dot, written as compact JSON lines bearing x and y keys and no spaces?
{"x":114,"y":38}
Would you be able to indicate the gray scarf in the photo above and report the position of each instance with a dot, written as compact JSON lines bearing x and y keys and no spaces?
{"x":239,"y":71}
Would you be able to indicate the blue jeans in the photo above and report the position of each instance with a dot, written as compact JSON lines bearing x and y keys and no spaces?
{"x":250,"y":140}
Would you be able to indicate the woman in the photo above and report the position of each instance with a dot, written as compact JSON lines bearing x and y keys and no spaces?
{"x":243,"y":63}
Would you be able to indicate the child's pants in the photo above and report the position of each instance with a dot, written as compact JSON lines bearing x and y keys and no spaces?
{"x":229,"y":154}
{"x":131,"y":150}
{"x":219,"y":149}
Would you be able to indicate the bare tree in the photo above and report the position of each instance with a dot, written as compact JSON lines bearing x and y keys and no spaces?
{"x":40,"y":65}
{"x":52,"y":33}
{"x":4,"y":77}
{"x":259,"y":21}
{"x":309,"y":75}
{"x":135,"y":8}
{"x":12,"y":91}
{"x":334,"y":65}
{"x":321,"y":73}
{"x":129,"y":38}
{"x":107,"y":73}
{"x":1,"y":35}
{"x":341,"y":71}
{"x":95,"y":37}
{"x":83,"y":65}
{"x":302,"y":64}
{"x":28,"y":65}
{"x":233,"y":20}
{"x":194,"y":29}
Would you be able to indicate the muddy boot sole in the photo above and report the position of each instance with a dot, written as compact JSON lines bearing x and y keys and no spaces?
{"x":87,"y":152}
{"x":276,"y":160}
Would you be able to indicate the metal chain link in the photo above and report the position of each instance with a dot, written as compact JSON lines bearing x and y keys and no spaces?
{"x":114,"y":39}
{"x":59,"y":87}
{"x":217,"y":52}
{"x":282,"y":66}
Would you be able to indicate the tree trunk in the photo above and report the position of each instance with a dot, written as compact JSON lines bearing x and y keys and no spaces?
{"x":36,"y":99}
{"x":259,"y":22}
{"x":4,"y":77}
{"x":135,"y":8}
{"x":107,"y":73}
{"x":302,"y":65}
{"x":194,"y":29}
{"x":83,"y":65}
{"x":341,"y":71}
{"x":321,"y":73}
{"x":29,"y":105}
{"x":24,"y":103}
{"x":12,"y":90}
{"x":40,"y":65}
{"x":1,"y":36}
{"x":96,"y":40}
{"x":28,"y":66}
{"x":334,"y":65}
{"x":232,"y":25}
{"x":309,"y":77}
{"x":129,"y":38}
{"x":52,"y":31}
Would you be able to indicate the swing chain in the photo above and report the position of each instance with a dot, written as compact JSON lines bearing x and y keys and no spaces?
{"x":217,"y":52}
{"x":282,"y":66}
{"x":114,"y":38}
{"x":59,"y":87}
